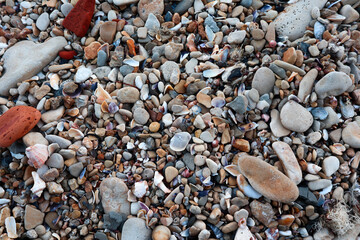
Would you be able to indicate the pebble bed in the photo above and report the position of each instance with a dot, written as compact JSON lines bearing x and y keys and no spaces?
{"x":190,"y":119}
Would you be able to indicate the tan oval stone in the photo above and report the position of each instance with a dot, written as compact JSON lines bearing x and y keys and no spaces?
{"x":295,"y":117}
{"x":266,"y":179}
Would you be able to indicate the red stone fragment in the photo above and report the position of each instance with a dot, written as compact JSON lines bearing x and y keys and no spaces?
{"x":67,"y":54}
{"x":16,"y":122}
{"x":79,"y":18}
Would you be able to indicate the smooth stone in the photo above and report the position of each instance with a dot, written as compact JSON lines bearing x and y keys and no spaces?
{"x":124,"y":2}
{"x":147,"y":7}
{"x":33,"y":138}
{"x":55,"y":161}
{"x":239,"y":104}
{"x":63,"y":143}
{"x":161,"y":233}
{"x":183,"y":6}
{"x":53,"y":115}
{"x":170,"y":71}
{"x":179,"y":141}
{"x":330,"y":165}
{"x":66,"y":8}
{"x":307,"y":84}
{"x":33,"y":217}
{"x":31,"y":57}
{"x":170,"y":173}
{"x":114,"y":194}
{"x":277,"y":129}
{"x":108,"y":31}
{"x":319,"y":113}
{"x":236,"y":37}
{"x":135,"y":229}
{"x":282,"y":190}
{"x":82,"y":74}
{"x":262,"y":212}
{"x":351,"y":134}
{"x":289,"y":67}
{"x":319,"y":184}
{"x":333,"y":84}
{"x":292,"y":22}
{"x":43,"y":21}
{"x":141,"y":116}
{"x":349,"y":13}
{"x":246,"y":3}
{"x":295,"y":117}
{"x":264,"y":80}
{"x":331,"y":119}
{"x":76,"y":169}
{"x":16,"y":122}
{"x":128,"y":95}
{"x":288,"y":160}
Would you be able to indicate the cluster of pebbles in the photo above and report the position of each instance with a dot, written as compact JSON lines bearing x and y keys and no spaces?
{"x":191,"y":119}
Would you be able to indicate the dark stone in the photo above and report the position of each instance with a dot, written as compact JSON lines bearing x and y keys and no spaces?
{"x":114,"y":220}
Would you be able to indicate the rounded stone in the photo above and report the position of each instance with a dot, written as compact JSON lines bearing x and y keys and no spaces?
{"x":114,"y":196}
{"x":351,"y":134}
{"x":295,"y":117}
{"x":141,"y":116}
{"x":263,"y":81}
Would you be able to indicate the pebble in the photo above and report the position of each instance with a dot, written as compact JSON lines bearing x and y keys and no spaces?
{"x":55,"y":161}
{"x":264,"y":80}
{"x":53,"y":115}
{"x":349,"y":13}
{"x":333,"y":83}
{"x":108,"y":31}
{"x":330,"y":165}
{"x":141,"y":116}
{"x":43,"y":21}
{"x":289,"y":162}
{"x":183,"y":6}
{"x":152,"y":23}
{"x":82,"y":74}
{"x":319,"y":184}
{"x":171,"y":72}
{"x":114,"y":196}
{"x":277,"y":129}
{"x":295,"y":117}
{"x":351,"y":134}
{"x":262,"y":212}
{"x":76,"y":169}
{"x":33,"y":217}
{"x":134,"y":228}
{"x":283,"y":190}
{"x":147,"y":7}
{"x":161,"y":233}
{"x":128,"y":95}
{"x":179,"y":141}
{"x":236,"y":37}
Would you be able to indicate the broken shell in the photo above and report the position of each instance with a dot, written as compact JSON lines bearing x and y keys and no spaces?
{"x":104,"y":106}
{"x":218,"y":102}
{"x":243,"y":231}
{"x":138,"y":82}
{"x":37,"y":154}
{"x":212,"y":72}
{"x":39,"y":184}
{"x":101,"y":94}
{"x":72,"y":112}
{"x":313,"y":168}
{"x":54,"y":81}
{"x":159,"y":183}
{"x":140,"y":189}
{"x":75,"y":133}
{"x":131,"y":62}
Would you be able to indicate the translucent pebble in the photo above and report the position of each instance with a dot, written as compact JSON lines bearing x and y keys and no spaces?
{"x":179,"y":141}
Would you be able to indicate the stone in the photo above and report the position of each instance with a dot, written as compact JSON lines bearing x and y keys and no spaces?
{"x":31,"y":57}
{"x":33,"y":138}
{"x":295,"y":117}
{"x":282,"y":190}
{"x":331,"y":119}
{"x":42,"y":92}
{"x":277,"y":129}
{"x":171,"y":72}
{"x":62,"y":142}
{"x":152,"y":23}
{"x":141,"y":116}
{"x":82,"y":74}
{"x":145,"y":7}
{"x":236,"y":37}
{"x":290,"y":55}
{"x":239,"y":104}
{"x":262,"y":212}
{"x":66,"y":8}
{"x":55,"y":161}
{"x":79,"y":19}
{"x":128,"y":95}
{"x":292,"y":22}
{"x":351,"y":135}
{"x":307,"y":84}
{"x":76,"y":169}
{"x":179,"y":141}
{"x":124,"y":2}
{"x":257,"y":34}
{"x":349,"y":13}
{"x":333,"y":84}
{"x":114,"y":196}
{"x":43,"y":21}
{"x":114,"y":220}
{"x":288,"y":160}
{"x":263,"y":81}
{"x":50,"y":219}
{"x":16,"y":122}
{"x":108,"y":31}
{"x":161,"y":233}
{"x":230,"y":227}
{"x":33,"y":217}
{"x":53,"y":115}
{"x":135,"y":229}
{"x":330,"y":165}
{"x":319,"y":184}
{"x":91,"y":50}
{"x":183,"y":6}
{"x":242,"y":145}
{"x":172,"y":51}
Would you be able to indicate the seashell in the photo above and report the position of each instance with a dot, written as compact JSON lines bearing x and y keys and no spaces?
{"x":243,"y":231}
{"x":168,"y":88}
{"x":105,"y":48}
{"x":233,"y":170}
{"x":138,"y":82}
{"x":113,"y":107}
{"x":185,"y":20}
{"x":10,"y":225}
{"x":158,"y":181}
{"x":54,"y":81}
{"x":191,"y":43}
{"x":272,"y":234}
{"x":336,"y":18}
{"x":212,"y":72}
{"x":73,"y":112}
{"x":104,"y":106}
{"x":37,"y":154}
{"x":101,"y":94}
{"x":313,"y":168}
{"x":131,"y":62}
{"x":39,"y":184}
{"x":176,"y":27}
{"x":198,"y":6}
{"x":218,"y":102}
{"x":337,"y":148}
{"x":245,"y":187}
{"x":183,"y":56}
{"x":75,"y":133}
{"x":131,"y":197}
{"x":140,"y":189}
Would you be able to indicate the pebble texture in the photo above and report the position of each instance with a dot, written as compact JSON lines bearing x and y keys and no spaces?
{"x":114,"y":196}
